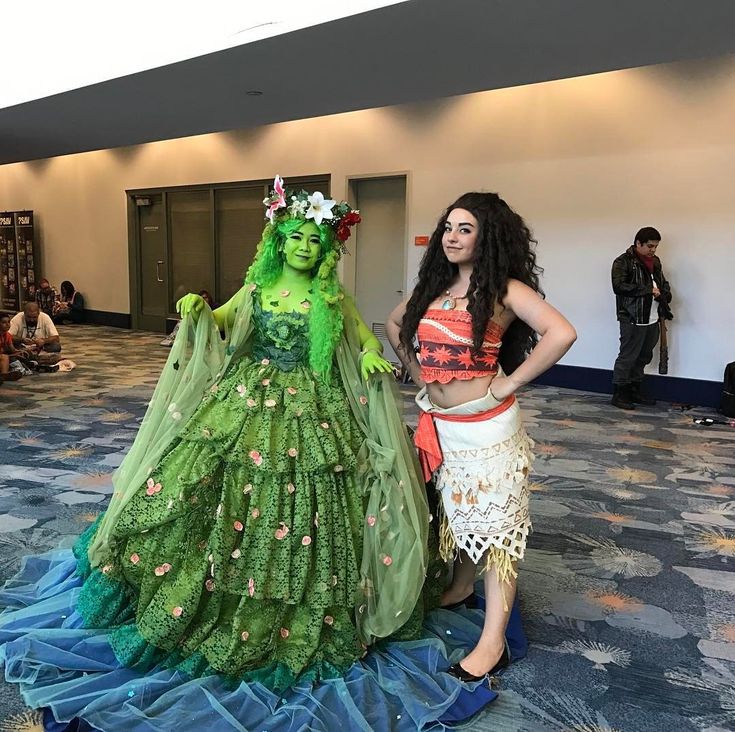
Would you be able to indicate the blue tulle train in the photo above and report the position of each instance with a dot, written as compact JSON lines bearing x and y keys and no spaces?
{"x":72,"y":673}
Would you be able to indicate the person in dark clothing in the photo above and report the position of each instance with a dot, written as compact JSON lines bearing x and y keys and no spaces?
{"x":642,"y":296}
{"x":70,"y":307}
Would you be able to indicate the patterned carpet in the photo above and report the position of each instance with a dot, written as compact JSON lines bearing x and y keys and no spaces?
{"x":628,"y":589}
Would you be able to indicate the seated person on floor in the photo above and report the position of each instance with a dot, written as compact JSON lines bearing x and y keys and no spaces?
{"x":46,"y":297}
{"x":208,"y":299}
{"x":34,"y":331}
{"x":70,"y":306}
{"x":7,"y":351}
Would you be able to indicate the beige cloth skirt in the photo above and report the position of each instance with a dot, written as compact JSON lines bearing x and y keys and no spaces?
{"x":483,"y":481}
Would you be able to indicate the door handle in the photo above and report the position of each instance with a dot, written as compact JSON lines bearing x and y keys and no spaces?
{"x":158,"y":271}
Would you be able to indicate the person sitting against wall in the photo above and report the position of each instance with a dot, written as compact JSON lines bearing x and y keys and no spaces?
{"x":70,"y":306}
{"x":208,"y":299}
{"x":7,"y":351}
{"x":46,"y":297}
{"x":34,"y":330}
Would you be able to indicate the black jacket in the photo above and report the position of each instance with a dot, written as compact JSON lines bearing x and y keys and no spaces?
{"x":633,"y":289}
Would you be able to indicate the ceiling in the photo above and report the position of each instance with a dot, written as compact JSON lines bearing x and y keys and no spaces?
{"x":417,"y":50}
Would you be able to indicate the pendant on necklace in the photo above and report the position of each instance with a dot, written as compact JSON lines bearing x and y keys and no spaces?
{"x":450,"y":302}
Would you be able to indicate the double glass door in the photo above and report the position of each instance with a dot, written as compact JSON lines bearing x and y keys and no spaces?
{"x":191,"y":239}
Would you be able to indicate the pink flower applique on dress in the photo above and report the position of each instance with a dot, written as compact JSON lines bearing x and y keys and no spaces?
{"x":237,"y":526}
{"x":241,"y":390}
{"x":251,"y":402}
{"x":177,"y":612}
{"x":387,"y":560}
{"x":152,"y":487}
{"x":251,"y":587}
{"x":290,"y":487}
{"x":371,"y":520}
{"x":285,"y":633}
{"x":292,"y":452}
{"x":292,"y":391}
{"x":329,"y":620}
{"x":134,"y":558}
{"x":306,"y":541}
{"x":244,"y":635}
{"x":255,"y":456}
{"x":270,"y":403}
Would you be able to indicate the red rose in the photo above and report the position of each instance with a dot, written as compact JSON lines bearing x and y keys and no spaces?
{"x":351,"y":218}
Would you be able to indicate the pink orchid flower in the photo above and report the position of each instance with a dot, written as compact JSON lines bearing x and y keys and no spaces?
{"x":280,"y":198}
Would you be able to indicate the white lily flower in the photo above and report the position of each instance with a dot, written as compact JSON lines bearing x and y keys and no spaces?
{"x":320,"y":207}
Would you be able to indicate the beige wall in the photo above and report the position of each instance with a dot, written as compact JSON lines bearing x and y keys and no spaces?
{"x":586,"y":161}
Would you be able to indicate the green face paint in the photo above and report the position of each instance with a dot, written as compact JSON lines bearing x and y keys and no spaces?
{"x":302,"y":247}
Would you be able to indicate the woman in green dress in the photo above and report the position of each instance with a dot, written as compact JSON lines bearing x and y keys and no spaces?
{"x":242,"y":549}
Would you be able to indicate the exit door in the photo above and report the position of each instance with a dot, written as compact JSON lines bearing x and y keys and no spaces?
{"x":153,"y":275}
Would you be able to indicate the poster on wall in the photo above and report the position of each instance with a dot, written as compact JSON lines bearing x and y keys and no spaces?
{"x":26,"y":255}
{"x":9,"y":295}
{"x":18,"y":260}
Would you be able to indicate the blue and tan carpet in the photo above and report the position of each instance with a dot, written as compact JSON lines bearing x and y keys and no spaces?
{"x":628,"y":589}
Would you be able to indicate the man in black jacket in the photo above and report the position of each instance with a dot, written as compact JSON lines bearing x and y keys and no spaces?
{"x":642,"y":296}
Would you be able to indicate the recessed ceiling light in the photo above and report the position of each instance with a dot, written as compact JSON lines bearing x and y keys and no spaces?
{"x":254,"y":93}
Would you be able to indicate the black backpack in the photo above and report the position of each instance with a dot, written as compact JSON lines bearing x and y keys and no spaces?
{"x":727,"y":403}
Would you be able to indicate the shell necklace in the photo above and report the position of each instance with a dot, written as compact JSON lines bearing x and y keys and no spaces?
{"x":450,"y":301}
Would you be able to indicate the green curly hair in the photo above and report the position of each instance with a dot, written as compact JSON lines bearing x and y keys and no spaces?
{"x":325,"y":319}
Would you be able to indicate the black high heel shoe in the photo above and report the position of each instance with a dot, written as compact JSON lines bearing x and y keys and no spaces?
{"x":470,"y":602}
{"x":461,"y":673}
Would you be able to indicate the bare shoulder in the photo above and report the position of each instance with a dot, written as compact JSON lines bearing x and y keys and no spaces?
{"x":519,"y":296}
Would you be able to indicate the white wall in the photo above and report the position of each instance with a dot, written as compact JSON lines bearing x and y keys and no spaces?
{"x":586,"y":161}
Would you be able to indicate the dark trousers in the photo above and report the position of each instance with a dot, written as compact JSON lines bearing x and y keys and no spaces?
{"x":636,"y":352}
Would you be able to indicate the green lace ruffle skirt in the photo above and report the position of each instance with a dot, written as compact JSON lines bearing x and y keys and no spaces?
{"x":240,"y":555}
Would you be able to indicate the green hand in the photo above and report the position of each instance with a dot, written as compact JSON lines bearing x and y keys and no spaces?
{"x":373,"y":363}
{"x":190,"y":304}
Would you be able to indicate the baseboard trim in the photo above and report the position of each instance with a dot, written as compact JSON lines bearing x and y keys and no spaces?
{"x":667,"y":388}
{"x":102,"y":317}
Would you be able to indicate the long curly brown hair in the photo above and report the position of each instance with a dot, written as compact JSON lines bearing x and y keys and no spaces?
{"x":504,"y":250}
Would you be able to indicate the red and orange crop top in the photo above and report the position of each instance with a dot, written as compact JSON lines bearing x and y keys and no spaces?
{"x":445,"y":340}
